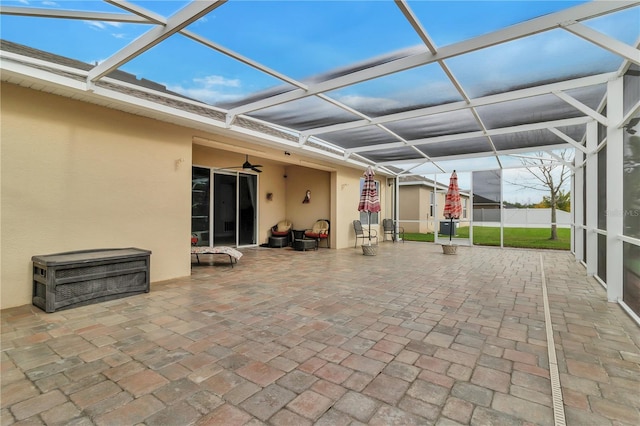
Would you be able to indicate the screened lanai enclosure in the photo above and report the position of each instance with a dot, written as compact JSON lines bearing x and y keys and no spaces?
{"x":412,"y":88}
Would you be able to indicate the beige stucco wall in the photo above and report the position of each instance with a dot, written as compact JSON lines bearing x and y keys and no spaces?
{"x":77,"y":176}
{"x":415,"y":203}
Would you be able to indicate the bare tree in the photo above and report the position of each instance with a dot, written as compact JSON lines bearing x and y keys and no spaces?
{"x":550,"y":176}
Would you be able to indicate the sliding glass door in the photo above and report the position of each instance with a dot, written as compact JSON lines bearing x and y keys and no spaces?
{"x":231,"y":216}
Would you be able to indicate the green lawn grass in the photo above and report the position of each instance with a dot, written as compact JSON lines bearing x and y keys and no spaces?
{"x":513,"y":237}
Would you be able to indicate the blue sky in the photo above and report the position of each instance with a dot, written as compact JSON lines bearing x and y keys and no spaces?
{"x":306,"y":38}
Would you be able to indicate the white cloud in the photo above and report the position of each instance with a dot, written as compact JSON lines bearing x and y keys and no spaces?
{"x":102,"y":25}
{"x":212,"y":89}
{"x":96,"y":25}
{"x":217,"y":80}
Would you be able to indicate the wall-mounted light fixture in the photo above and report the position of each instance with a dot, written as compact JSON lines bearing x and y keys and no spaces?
{"x":179,"y":162}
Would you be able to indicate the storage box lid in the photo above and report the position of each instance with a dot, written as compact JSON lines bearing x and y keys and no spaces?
{"x":88,"y":256}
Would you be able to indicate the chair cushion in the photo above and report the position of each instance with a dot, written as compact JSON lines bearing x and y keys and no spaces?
{"x":312,"y":234}
{"x":283,"y":226}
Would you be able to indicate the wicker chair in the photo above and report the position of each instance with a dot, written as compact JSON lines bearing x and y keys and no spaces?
{"x":319,"y":231}
{"x":282,"y":229}
{"x":363,"y":233}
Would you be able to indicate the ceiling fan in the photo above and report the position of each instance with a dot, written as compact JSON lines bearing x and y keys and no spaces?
{"x":247,"y":166}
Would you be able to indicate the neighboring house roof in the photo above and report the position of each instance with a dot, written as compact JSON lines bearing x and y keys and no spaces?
{"x":480,"y":200}
{"x":423,"y":181}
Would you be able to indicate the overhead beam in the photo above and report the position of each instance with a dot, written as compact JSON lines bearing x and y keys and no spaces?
{"x":609,"y":43}
{"x":477,"y":102}
{"x":533,"y":26}
{"x":137,"y":10}
{"x":243,"y":59}
{"x":415,"y":23}
{"x":185,"y":16}
{"x":471,"y":135}
{"x":72,"y":14}
{"x":582,"y":107}
{"x":567,"y":139}
{"x":412,"y":161}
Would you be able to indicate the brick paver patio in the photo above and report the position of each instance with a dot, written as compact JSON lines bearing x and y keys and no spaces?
{"x":332,"y":337}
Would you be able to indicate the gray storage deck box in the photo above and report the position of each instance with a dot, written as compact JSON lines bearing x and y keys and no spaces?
{"x":67,"y":280}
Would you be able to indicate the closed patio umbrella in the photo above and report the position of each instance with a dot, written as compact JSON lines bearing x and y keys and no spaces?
{"x":369,"y":200}
{"x":452,"y":204}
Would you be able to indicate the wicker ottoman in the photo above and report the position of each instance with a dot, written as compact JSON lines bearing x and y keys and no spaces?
{"x":278,"y":241}
{"x":304,"y":245}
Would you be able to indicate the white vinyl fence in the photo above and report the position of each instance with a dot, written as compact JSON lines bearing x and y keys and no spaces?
{"x":521,"y":218}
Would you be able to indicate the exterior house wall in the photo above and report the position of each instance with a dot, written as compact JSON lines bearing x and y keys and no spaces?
{"x":78,"y":176}
{"x":298,"y":181}
{"x":411,"y":208}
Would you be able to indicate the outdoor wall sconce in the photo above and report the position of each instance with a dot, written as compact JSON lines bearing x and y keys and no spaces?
{"x":179,"y":162}
{"x":307,"y":197}
{"x":269,"y":196}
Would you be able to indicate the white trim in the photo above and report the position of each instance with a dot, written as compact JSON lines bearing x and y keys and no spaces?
{"x":629,"y":311}
{"x":630,"y":240}
{"x":602,"y":283}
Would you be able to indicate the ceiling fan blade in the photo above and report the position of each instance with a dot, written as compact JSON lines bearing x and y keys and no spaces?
{"x":255,"y":169}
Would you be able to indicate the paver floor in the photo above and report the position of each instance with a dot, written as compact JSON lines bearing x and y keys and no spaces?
{"x":332,"y":337}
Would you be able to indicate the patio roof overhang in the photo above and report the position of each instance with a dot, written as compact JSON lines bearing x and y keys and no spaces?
{"x":413,"y":110}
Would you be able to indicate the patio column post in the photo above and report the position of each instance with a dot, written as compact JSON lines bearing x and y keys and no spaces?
{"x":615,"y":205}
{"x":396,"y":206}
{"x":578,"y":206}
{"x":591,"y":183}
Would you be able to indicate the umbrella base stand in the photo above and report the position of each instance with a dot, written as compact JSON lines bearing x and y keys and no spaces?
{"x":371,"y":250}
{"x":449,"y":248}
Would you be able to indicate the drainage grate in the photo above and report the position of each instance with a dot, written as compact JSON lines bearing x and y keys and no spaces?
{"x":556,"y":389}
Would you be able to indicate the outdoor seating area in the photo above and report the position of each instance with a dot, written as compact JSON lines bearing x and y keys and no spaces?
{"x":364,"y":234}
{"x":360,"y":342}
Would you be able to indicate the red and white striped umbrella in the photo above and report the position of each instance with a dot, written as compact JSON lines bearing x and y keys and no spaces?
{"x":452,"y":203}
{"x":369,"y":199}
